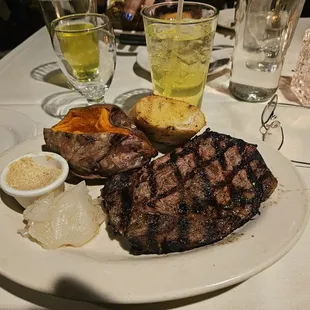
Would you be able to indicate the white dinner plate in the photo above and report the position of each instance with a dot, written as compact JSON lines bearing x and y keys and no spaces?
{"x":226,"y":19}
{"x":15,"y":127}
{"x":107,"y":272}
{"x":143,"y":59}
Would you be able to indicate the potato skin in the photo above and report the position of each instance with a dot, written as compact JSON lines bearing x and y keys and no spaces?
{"x":167,"y":120}
{"x":102,"y":154}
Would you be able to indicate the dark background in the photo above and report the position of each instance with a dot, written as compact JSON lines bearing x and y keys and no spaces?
{"x":25,"y":18}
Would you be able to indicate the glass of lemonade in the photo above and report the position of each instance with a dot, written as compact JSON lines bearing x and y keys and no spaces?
{"x":180,"y":49}
{"x":85,"y":48}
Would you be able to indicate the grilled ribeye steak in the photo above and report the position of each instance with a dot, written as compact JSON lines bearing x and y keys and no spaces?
{"x":195,"y":195}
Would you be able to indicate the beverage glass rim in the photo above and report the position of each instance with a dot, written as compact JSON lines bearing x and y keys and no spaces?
{"x":56,"y":21}
{"x":147,"y":9}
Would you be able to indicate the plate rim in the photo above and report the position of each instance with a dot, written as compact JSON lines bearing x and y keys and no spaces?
{"x":180,"y":294}
{"x":34,"y":128}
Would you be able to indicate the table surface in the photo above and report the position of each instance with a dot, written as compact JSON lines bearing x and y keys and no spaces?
{"x":286,"y":284}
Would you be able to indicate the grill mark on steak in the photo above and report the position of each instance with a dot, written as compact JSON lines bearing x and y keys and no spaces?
{"x":152,"y":231}
{"x":221,"y":157}
{"x":173,"y":160}
{"x":183,"y":208}
{"x":209,"y":195}
{"x":183,"y":233}
{"x":201,"y":206}
{"x":152,"y":183}
{"x":126,"y":202}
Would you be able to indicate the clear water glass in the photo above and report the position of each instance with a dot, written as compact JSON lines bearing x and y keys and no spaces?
{"x":264,"y":29}
{"x":85,"y":48}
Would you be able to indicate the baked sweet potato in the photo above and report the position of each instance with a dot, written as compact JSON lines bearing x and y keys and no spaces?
{"x":99,"y":141}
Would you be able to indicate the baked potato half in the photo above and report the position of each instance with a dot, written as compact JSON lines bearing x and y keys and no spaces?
{"x":99,"y":141}
{"x":167,"y":120}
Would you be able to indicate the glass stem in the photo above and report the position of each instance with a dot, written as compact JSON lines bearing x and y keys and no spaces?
{"x":97,"y":101}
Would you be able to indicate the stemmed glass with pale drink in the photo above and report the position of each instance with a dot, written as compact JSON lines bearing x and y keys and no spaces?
{"x":85,"y":48}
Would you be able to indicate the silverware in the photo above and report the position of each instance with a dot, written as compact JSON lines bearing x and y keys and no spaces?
{"x":292,"y":105}
{"x":218,"y":63}
{"x":221,"y":46}
{"x":127,"y":38}
{"x":132,"y":39}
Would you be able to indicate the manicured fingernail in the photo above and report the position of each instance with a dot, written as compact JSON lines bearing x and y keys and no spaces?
{"x":127,"y":16}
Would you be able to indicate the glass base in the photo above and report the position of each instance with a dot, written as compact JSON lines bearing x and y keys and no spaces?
{"x":251,"y":93}
{"x":58,"y":105}
{"x":262,"y":66}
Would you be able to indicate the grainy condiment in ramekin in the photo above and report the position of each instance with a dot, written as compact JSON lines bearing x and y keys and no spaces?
{"x":33,"y":175}
{"x":25,"y":174}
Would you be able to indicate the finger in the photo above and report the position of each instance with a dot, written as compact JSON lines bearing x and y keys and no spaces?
{"x":130,"y":9}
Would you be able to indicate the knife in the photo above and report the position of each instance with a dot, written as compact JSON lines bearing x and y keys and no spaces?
{"x":132,"y":39}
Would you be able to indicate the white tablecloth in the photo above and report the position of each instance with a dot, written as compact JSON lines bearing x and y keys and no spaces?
{"x":283,"y":286}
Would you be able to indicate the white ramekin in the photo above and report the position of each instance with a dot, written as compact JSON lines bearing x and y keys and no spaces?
{"x":27,"y":197}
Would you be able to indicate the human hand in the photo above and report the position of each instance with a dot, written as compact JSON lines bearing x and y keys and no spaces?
{"x":132,"y":6}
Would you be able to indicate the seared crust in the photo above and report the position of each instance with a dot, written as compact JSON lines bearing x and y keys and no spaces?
{"x":102,"y":154}
{"x":193,"y":196}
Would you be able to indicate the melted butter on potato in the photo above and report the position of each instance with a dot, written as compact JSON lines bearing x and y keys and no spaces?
{"x":167,"y":120}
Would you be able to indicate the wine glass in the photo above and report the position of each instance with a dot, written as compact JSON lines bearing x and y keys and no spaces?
{"x":85,"y":48}
{"x":51,"y":10}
